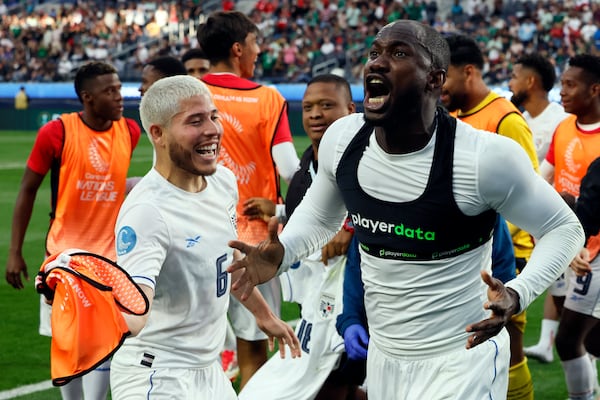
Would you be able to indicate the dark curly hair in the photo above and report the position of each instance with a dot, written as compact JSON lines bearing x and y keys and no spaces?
{"x":542,"y":67}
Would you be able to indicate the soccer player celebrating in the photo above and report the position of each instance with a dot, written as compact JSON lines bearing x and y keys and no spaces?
{"x":423,"y":189}
{"x":172,"y":234}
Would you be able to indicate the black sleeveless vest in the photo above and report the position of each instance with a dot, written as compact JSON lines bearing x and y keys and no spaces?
{"x":428,"y":228}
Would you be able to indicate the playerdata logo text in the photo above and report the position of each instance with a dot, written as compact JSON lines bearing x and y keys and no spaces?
{"x":390,"y":228}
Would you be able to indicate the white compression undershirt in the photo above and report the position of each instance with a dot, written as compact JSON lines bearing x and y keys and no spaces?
{"x":490,"y":171}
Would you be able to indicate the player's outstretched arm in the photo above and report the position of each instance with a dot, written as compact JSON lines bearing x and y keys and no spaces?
{"x":503,"y":302}
{"x":260,"y":262}
{"x":274,"y":327}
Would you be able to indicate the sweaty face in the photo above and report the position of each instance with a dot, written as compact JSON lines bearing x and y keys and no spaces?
{"x":194,"y":136}
{"x":322,"y":104}
{"x":576,"y":92}
{"x":197,"y":67}
{"x":250,"y":51}
{"x":149,"y":76}
{"x":105,"y":97}
{"x":518,"y":84}
{"x":454,"y":96}
{"x":395,"y":74}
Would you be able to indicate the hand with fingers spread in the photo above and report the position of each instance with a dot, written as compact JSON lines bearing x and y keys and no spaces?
{"x":14,"y":268}
{"x":503,"y":302}
{"x":581,"y":264}
{"x":260,"y":262}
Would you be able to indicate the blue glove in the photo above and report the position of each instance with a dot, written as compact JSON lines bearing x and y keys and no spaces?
{"x":356,"y":340}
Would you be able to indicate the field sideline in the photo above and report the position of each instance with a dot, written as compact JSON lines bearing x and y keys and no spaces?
{"x":24,"y":355}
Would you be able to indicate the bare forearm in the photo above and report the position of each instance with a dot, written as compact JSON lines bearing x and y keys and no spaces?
{"x":137,"y":322}
{"x":255,"y":303}
{"x":21,"y":217}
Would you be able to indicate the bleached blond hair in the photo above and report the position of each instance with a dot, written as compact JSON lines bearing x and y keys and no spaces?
{"x":162,"y":101}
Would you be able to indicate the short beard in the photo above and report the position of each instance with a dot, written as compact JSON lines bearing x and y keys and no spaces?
{"x":519,"y":98}
{"x":182,"y":159}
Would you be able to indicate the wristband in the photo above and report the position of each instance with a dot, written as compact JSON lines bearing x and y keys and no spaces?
{"x":348,"y":226}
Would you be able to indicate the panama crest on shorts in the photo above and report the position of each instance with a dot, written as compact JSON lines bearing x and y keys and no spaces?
{"x":326,"y":305}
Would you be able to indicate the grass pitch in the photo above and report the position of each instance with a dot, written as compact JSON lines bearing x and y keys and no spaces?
{"x":25,"y":355}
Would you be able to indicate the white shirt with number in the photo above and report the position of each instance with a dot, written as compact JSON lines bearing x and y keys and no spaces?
{"x":176,"y":242}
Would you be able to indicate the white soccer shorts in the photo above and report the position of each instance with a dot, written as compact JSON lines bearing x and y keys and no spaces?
{"x":480,"y":373}
{"x":141,"y":383}
{"x":583,"y":292}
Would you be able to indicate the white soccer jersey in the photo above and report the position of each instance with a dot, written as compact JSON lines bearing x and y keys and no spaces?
{"x":543,"y":127}
{"x":421,"y":308}
{"x":319,"y":289}
{"x":176,"y":242}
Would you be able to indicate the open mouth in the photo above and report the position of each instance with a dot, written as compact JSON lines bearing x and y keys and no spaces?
{"x":377,"y":93}
{"x":208,"y":150}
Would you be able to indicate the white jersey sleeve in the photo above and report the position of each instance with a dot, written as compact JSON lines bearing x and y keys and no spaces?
{"x":528,"y":201}
{"x":141,"y":226}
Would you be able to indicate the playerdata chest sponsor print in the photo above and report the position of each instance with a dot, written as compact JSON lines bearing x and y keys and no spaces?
{"x":391,"y":228}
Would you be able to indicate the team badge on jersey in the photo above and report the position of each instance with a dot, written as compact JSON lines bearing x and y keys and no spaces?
{"x":327,"y":305}
{"x":232,"y":216}
{"x":126,"y":240}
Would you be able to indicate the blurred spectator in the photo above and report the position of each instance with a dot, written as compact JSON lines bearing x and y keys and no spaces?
{"x":21,"y":99}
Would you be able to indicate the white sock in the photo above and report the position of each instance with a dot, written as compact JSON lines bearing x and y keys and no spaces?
{"x":578,"y":372}
{"x":72,"y":390}
{"x":548,"y":333}
{"x":594,"y":372}
{"x":97,"y":382}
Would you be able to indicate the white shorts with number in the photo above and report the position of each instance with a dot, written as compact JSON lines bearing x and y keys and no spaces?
{"x":243,"y":322}
{"x":141,"y":383}
{"x":480,"y":373}
{"x":583,"y":292}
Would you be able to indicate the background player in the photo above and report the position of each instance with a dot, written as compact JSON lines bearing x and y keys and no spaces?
{"x":87,"y":154}
{"x":532,"y":78}
{"x":257,"y":147}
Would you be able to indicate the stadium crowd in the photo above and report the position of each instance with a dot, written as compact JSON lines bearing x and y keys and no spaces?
{"x":47,"y":41}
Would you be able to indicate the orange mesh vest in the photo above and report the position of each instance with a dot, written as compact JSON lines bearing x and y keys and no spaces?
{"x":488,"y":117}
{"x":574,"y":151}
{"x":91,"y":187}
{"x":89,"y":292}
{"x":249,"y":129}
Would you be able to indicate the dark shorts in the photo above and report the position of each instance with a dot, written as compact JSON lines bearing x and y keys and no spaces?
{"x":349,"y":372}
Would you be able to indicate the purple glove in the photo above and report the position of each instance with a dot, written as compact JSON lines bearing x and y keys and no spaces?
{"x":356,"y":340}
